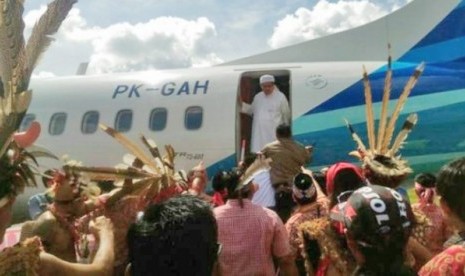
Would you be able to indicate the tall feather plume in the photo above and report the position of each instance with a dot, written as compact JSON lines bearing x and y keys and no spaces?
{"x":128,"y":144}
{"x":132,"y":161}
{"x":409,"y":123}
{"x":369,"y":110}
{"x":355,"y":136}
{"x":41,"y":36}
{"x":11,"y":42}
{"x":400,"y":104}
{"x":385,"y":104}
{"x":151,"y":145}
{"x":168,"y":159}
{"x":106,"y":173}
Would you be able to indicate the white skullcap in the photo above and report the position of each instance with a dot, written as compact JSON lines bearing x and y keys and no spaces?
{"x":266,"y":78}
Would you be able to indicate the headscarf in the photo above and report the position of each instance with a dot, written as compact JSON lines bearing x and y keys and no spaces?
{"x":334,"y":169}
{"x":302,"y":180}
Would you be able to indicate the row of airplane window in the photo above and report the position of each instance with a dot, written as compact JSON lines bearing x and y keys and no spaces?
{"x":158,"y":119}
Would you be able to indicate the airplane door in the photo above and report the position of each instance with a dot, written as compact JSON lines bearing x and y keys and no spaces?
{"x":249,"y":86}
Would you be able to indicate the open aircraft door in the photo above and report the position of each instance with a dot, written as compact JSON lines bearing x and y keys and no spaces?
{"x":249,"y":86}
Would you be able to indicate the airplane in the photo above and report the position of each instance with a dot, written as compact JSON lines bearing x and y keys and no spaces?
{"x":197,"y":111}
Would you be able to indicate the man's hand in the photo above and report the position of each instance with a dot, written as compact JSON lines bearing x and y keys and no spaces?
{"x":101,"y":226}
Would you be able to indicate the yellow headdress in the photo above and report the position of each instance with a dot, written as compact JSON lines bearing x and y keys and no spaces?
{"x":380,"y":158}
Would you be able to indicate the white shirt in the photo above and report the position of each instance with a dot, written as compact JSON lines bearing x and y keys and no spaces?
{"x":265,"y":194}
{"x":268,"y":112}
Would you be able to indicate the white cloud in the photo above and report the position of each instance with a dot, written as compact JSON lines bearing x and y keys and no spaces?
{"x":164,"y":42}
{"x":323,"y":19}
{"x":161,"y":43}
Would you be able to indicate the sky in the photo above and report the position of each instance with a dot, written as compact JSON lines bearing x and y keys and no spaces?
{"x":133,"y":35}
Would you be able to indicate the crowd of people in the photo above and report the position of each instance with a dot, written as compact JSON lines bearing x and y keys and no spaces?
{"x":270,"y":215}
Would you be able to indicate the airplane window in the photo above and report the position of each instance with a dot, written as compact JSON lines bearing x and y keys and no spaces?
{"x":57,"y":123}
{"x":26,"y":122}
{"x":193,"y":117}
{"x":158,"y":118}
{"x":123,"y":120}
{"x":90,"y":122}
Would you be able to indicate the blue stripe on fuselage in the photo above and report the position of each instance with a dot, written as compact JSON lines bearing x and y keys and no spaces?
{"x":451,"y":27}
{"x":436,"y":77}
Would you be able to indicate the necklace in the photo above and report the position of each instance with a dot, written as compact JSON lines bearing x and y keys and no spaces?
{"x":68,"y":221}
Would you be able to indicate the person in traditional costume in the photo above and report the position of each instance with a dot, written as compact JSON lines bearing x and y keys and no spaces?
{"x":342,"y":177}
{"x":29,"y":257}
{"x":311,"y":204}
{"x":377,"y":223}
{"x":451,"y":187}
{"x":382,"y":162}
{"x":269,"y":109}
{"x":438,"y":232}
{"x":141,"y":181}
{"x":57,"y":227}
{"x":17,"y":165}
{"x":324,"y":248}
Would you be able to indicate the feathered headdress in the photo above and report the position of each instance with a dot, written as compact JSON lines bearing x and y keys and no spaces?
{"x":17,"y":61}
{"x":150,"y":175}
{"x":380,"y":158}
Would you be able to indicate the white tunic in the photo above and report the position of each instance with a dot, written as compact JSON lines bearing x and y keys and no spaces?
{"x":268,"y":112}
{"x":265,"y":195}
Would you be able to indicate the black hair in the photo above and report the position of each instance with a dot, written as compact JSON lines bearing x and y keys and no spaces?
{"x":426,"y":180}
{"x":320,"y":178}
{"x":283,"y":131}
{"x":106,"y":186}
{"x":386,"y":258}
{"x":248,"y":160}
{"x":176,"y":237}
{"x":218,"y":182}
{"x":345,"y":180}
{"x":451,"y":186}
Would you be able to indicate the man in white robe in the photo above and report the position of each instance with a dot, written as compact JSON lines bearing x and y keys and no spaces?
{"x":269,"y":109}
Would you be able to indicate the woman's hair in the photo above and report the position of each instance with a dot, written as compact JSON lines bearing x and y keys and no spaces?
{"x":218,"y":183}
{"x":320,"y":178}
{"x":345,"y":180}
{"x":451,"y":186}
{"x":426,"y":180}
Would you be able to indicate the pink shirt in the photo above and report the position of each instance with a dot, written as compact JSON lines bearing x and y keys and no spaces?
{"x":251,"y":237}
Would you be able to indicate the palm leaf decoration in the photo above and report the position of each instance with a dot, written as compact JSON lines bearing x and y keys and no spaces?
{"x":148,"y":175}
{"x":17,"y":62}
